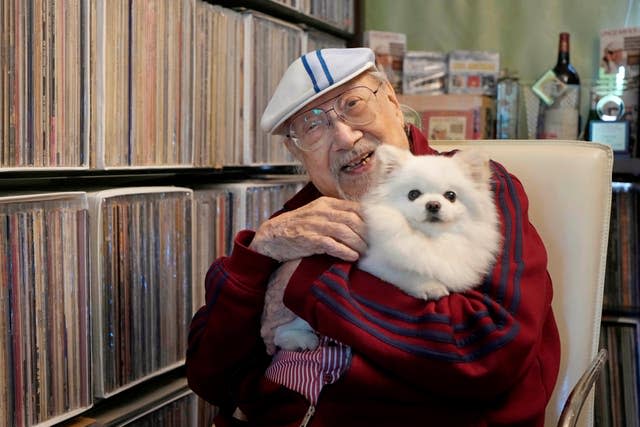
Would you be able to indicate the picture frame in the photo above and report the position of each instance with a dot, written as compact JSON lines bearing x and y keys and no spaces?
{"x":612,"y":133}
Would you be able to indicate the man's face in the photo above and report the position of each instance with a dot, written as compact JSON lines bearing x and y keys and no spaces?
{"x":344,"y":165}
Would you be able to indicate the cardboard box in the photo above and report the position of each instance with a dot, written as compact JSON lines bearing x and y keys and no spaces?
{"x":454,"y":116}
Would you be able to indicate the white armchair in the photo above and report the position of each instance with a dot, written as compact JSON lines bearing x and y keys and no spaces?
{"x":569,"y":188}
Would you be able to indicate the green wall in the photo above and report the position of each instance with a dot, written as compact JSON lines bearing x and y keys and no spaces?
{"x":524,"y":32}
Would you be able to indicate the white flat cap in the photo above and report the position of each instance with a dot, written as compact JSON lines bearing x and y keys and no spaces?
{"x":310,"y":76}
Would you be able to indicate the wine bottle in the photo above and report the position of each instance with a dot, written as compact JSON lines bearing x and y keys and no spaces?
{"x":564,"y":69}
{"x":562,"y":118}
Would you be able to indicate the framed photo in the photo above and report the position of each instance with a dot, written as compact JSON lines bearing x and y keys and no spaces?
{"x":456,"y":125}
{"x":614,"y":134}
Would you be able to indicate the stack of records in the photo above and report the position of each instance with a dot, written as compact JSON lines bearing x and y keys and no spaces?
{"x":44,"y":70}
{"x":141,"y":283}
{"x":141,"y":77}
{"x":213,"y":235}
{"x":621,"y":290}
{"x":44,"y":316}
{"x":219,"y":86}
{"x":271,"y":46}
{"x":318,"y":40}
{"x":338,"y":13}
{"x":616,"y":402}
{"x":166,"y":403}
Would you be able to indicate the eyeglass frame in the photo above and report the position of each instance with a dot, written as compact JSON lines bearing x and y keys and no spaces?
{"x":297,"y":140}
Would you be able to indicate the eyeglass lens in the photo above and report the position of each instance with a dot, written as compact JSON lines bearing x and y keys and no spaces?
{"x":353,"y":107}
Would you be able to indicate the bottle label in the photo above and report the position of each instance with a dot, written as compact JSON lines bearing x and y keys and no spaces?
{"x":561,"y":119}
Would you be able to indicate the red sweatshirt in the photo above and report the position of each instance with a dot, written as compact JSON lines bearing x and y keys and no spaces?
{"x":486,"y":357}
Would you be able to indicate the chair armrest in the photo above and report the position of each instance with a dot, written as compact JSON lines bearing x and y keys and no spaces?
{"x":577,"y":397}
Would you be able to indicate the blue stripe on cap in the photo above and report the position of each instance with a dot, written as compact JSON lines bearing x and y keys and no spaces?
{"x":310,"y":73}
{"x":324,"y":67}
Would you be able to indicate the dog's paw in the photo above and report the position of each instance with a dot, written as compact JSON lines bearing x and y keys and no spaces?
{"x":433,"y":290}
{"x":296,"y":339}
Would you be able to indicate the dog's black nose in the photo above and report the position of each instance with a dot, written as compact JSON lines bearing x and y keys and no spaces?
{"x":433,"y":207}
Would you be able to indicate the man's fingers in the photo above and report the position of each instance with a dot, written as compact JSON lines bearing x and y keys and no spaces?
{"x":349,"y":219}
{"x":338,"y":250}
{"x":325,"y":226}
{"x":344,"y":234}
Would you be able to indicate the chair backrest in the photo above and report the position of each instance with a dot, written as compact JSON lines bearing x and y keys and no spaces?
{"x":569,"y":188}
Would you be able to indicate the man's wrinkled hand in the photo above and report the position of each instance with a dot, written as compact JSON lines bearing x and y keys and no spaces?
{"x":325,"y":226}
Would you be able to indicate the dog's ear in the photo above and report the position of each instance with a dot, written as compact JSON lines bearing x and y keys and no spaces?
{"x":476,"y":163}
{"x":391,"y":157}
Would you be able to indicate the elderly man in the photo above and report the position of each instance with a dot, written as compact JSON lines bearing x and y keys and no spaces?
{"x":486,"y":357}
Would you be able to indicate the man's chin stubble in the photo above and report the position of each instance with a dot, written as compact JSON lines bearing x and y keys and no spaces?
{"x":355,"y":188}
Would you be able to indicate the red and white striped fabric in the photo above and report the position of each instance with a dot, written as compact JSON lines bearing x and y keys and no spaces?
{"x":308,"y":371}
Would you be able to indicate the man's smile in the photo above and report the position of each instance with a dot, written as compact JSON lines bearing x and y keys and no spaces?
{"x":358,"y":162}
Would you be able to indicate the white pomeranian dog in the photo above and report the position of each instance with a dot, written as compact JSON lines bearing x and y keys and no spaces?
{"x":432,"y":229}
{"x":432,"y":225}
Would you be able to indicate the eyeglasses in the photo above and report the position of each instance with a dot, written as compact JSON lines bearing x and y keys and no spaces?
{"x":354,"y":106}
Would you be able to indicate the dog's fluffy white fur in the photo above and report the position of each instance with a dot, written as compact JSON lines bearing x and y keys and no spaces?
{"x":432,"y":229}
{"x":432,"y":225}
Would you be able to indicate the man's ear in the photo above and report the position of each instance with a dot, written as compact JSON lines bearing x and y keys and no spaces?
{"x":393,"y":99}
{"x":391,"y":93}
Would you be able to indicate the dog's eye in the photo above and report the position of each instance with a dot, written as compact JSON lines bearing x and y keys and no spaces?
{"x":450,"y":196}
{"x":414,"y":194}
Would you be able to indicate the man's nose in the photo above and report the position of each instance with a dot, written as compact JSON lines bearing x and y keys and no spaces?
{"x":344,"y":136}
